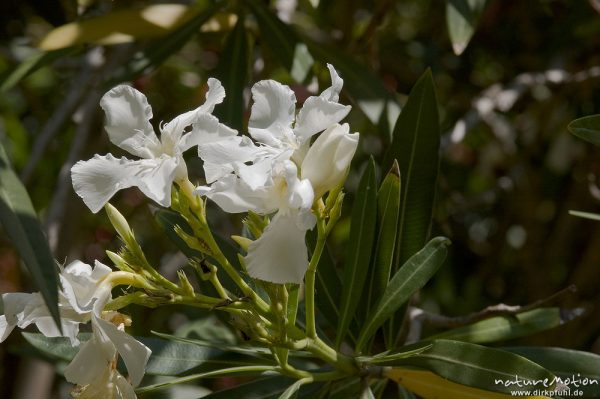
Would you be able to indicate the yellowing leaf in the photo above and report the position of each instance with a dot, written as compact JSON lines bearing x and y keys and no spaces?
{"x":430,"y":386}
{"x":120,"y":26}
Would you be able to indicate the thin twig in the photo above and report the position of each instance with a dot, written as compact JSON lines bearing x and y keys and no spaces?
{"x":419,"y":317}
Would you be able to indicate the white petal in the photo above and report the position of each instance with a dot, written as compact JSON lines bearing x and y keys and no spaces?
{"x":14,"y":305}
{"x":256,"y":175}
{"x":134,"y":353}
{"x":128,"y":121}
{"x":89,"y":364}
{"x":235,"y":196}
{"x":272,"y":113}
{"x":206,"y":129}
{"x":173,"y":130}
{"x":155,"y":179}
{"x":214,"y":96}
{"x":123,"y":387}
{"x":221,"y":156}
{"x":280,"y":254}
{"x":328,"y":159}
{"x":332,"y":93}
{"x":316,"y":115}
{"x":5,"y":328}
{"x":300,"y":193}
{"x":98,"y":179}
{"x":80,"y":284}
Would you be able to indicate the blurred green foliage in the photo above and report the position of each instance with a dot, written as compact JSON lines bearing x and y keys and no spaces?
{"x":509,"y":169}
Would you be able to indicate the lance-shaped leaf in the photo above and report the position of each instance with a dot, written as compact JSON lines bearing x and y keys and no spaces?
{"x":478,"y":367}
{"x":415,"y":145}
{"x":587,"y":128}
{"x":30,"y":65}
{"x":388,"y":209}
{"x":264,"y":388}
{"x":168,"y":357}
{"x":462,"y":17}
{"x":120,"y":26}
{"x":161,"y":49}
{"x":430,"y":386}
{"x":283,"y":41}
{"x":233,"y":73}
{"x":413,"y":275}
{"x":581,"y":368}
{"x":502,"y":328}
{"x":586,"y":215}
{"x":19,"y":221}
{"x":360,"y":244}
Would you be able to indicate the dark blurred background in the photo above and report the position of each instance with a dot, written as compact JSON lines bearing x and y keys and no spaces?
{"x":510,"y":170}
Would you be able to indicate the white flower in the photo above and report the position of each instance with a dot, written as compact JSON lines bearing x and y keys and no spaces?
{"x":264,"y":178}
{"x":280,"y":254}
{"x":94,"y":367}
{"x":128,"y":126}
{"x":275,"y":126}
{"x":81,"y":287}
{"x":328,"y":159}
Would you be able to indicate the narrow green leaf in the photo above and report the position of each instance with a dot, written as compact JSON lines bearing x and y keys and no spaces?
{"x":328,"y":285}
{"x":233,"y":73}
{"x":476,"y":366}
{"x":293,"y":389}
{"x":283,"y":41}
{"x":567,"y":363}
{"x":168,"y":357}
{"x":161,"y":49}
{"x":264,"y":388}
{"x":230,"y":371}
{"x":360,"y":244}
{"x":462,"y":17}
{"x":363,"y":86}
{"x":30,"y":65}
{"x":19,"y":220}
{"x":415,"y":145}
{"x":585,"y":215}
{"x":413,"y":275}
{"x":587,"y":128}
{"x":503,"y":328}
{"x":388,"y":209}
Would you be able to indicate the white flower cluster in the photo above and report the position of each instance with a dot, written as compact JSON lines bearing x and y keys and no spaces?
{"x":275,"y":170}
{"x":85,"y":292}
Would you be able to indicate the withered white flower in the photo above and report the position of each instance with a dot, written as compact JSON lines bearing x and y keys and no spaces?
{"x":128,"y":126}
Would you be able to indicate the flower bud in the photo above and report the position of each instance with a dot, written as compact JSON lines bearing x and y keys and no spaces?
{"x":327,"y":161}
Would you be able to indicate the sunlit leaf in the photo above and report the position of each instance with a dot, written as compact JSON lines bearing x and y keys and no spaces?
{"x":360,"y":243}
{"x":430,"y":386}
{"x":120,"y":26}
{"x":585,"y":215}
{"x":476,"y":366}
{"x":587,"y":128}
{"x":462,"y":17}
{"x":159,"y":50}
{"x":412,"y":276}
{"x":19,"y":221}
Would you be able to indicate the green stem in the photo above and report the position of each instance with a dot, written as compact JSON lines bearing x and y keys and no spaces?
{"x":309,"y":288}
